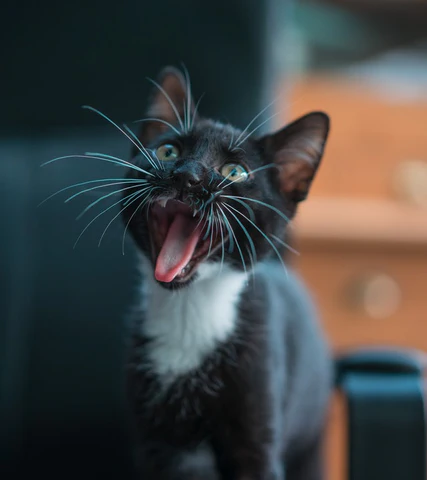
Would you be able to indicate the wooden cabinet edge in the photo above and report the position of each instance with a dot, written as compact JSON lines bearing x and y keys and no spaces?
{"x":360,"y":220}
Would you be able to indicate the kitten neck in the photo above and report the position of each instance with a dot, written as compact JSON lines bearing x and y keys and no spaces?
{"x":186,"y":326}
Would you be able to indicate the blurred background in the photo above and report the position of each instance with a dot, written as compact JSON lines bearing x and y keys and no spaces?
{"x":362,"y":236}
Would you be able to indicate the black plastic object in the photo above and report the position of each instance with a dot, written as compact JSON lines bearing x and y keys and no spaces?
{"x":62,"y":310}
{"x":386,"y":414}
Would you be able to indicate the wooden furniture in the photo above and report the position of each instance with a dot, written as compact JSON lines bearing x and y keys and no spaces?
{"x":362,"y":235}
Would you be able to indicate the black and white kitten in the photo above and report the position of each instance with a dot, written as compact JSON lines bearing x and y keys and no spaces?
{"x":229,"y":375}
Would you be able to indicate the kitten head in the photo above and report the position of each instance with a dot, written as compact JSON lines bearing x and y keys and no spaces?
{"x":209,"y":192}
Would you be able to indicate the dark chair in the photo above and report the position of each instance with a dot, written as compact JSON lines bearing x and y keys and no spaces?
{"x":385,"y":392}
{"x":62,"y":332}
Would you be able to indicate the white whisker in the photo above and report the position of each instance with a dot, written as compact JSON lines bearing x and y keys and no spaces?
{"x":143,"y":202}
{"x":267,"y":205}
{"x":253,"y":120}
{"x":195,"y":111}
{"x":245,"y":231}
{"x":88,"y":107}
{"x":175,"y":111}
{"x":270,"y":165}
{"x":101,"y":213}
{"x":103,"y":157}
{"x":263,"y":234}
{"x":115,"y":192}
{"x":153,"y":119}
{"x":86,"y":190}
{"x":255,"y":129}
{"x":287,"y":246}
{"x":137,"y":197}
{"x":144,"y":151}
{"x":231,"y":140}
{"x":88,"y":182}
{"x":187,"y":107}
{"x":230,"y":229}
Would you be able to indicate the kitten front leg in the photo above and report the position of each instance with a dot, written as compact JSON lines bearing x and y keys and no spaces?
{"x":309,"y":464}
{"x":248,"y":437}
{"x":160,"y":462}
{"x":246,"y":454}
{"x":156,"y":462}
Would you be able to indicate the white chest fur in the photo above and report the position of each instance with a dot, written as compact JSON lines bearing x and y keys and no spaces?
{"x":186,"y":325}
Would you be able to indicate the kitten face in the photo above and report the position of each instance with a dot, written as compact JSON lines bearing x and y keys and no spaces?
{"x":209,"y":193}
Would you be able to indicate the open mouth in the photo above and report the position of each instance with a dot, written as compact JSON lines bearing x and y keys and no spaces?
{"x":178,"y":240}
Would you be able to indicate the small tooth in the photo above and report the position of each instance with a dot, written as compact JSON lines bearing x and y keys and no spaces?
{"x":163,"y":202}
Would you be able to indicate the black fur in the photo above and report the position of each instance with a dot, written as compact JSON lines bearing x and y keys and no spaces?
{"x":258,"y":402}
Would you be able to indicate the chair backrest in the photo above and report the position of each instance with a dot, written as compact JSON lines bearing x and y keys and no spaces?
{"x":62,"y":310}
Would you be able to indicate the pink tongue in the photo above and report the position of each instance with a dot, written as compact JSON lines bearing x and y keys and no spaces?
{"x":178,"y":248}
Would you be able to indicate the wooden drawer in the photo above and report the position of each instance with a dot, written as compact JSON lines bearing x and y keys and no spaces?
{"x":373,"y":136}
{"x":369,"y":295}
{"x":366,"y":264}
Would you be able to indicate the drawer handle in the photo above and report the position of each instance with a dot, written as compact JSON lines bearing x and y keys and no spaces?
{"x":377,"y":295}
{"x":410,"y":182}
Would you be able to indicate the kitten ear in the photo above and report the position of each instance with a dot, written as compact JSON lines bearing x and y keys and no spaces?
{"x":171,"y":103}
{"x":297,"y":150}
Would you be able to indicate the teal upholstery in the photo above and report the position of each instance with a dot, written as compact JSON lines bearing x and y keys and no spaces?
{"x":62,"y":310}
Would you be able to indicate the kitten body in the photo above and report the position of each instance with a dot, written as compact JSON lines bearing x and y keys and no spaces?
{"x":246,"y":376}
{"x":228,"y":375}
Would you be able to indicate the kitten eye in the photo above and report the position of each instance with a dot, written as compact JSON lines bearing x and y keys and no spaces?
{"x":167,"y":152}
{"x":234,"y":172}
